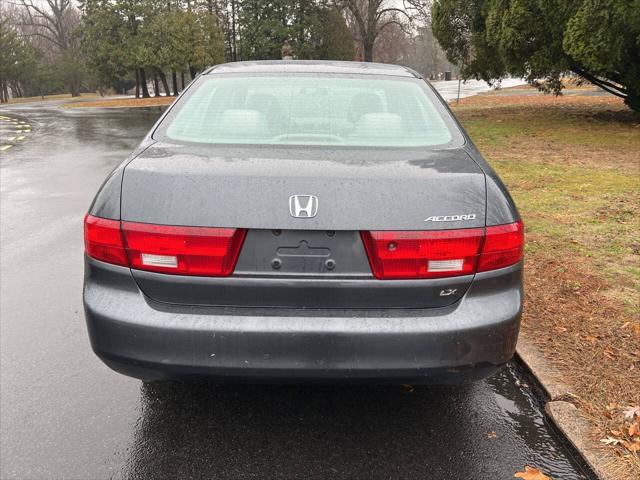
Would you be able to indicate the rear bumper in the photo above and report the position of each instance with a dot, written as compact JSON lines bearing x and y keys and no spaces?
{"x":152,"y":341}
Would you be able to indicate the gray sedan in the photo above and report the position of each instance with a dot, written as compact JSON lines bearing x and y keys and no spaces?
{"x":305,"y":222}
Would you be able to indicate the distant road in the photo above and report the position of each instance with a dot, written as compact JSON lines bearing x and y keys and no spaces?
{"x":449,"y":89}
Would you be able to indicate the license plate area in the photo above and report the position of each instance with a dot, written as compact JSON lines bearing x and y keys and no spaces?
{"x":303,"y":253}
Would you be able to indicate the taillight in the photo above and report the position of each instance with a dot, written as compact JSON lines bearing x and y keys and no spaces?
{"x":203,"y":251}
{"x":503,"y":246}
{"x":423,"y":254}
{"x":103,"y":240}
{"x":442,"y":253}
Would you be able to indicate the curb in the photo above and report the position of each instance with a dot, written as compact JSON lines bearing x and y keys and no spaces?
{"x":564,"y":414}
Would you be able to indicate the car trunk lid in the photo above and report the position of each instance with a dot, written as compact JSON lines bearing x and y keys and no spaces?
{"x":311,"y":261}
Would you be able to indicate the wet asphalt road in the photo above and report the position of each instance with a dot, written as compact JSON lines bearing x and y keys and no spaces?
{"x":65,"y":415}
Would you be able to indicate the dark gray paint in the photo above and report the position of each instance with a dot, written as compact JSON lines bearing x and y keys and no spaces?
{"x":501,"y":208}
{"x":300,"y":291}
{"x":106,"y":203}
{"x":357,"y":189}
{"x":150,"y":340}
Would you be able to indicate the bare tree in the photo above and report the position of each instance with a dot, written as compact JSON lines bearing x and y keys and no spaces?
{"x":56,"y":22}
{"x":392,"y":45}
{"x":419,"y":11}
{"x":427,"y":57}
{"x":370,"y":18}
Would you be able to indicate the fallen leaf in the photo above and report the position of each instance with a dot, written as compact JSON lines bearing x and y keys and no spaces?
{"x":611,"y":441}
{"x":608,"y":351}
{"x":631,"y":411}
{"x":492,"y":434}
{"x":531,"y":473}
{"x":591,"y":338}
{"x":634,"y":429}
{"x":632,"y":447}
{"x":617,"y":433}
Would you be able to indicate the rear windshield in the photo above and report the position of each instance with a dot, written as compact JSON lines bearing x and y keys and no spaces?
{"x":299,"y":110}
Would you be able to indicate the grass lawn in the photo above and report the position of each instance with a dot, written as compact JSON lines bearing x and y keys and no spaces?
{"x":572,"y":165}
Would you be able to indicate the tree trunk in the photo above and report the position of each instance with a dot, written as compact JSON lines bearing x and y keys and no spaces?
{"x":234,"y":53}
{"x":156,"y":85}
{"x":367,"y":47}
{"x":74,"y":88}
{"x":193,"y":72}
{"x":174,"y":80}
{"x":143,"y":83}
{"x":182,"y":79}
{"x":163,"y":79}
{"x":137,"y":83}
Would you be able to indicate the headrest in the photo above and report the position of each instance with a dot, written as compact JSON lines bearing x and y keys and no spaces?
{"x":239,"y":122}
{"x":364,"y":103}
{"x":263,"y":102}
{"x":384,"y":125}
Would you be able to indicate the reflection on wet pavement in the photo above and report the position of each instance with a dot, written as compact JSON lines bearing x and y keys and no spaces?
{"x":199,"y":430}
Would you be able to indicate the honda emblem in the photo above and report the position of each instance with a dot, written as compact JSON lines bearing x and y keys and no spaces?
{"x":303,"y":206}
